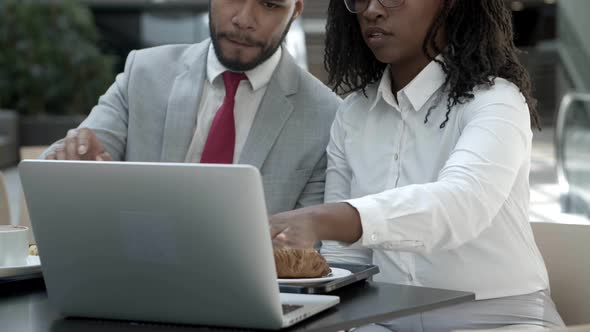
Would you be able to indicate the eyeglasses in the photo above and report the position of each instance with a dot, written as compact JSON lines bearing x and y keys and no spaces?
{"x":359,"y":6}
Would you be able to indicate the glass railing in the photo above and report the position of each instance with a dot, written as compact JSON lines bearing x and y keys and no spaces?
{"x":572,"y":142}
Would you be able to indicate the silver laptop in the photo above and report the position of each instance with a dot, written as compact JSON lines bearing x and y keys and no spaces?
{"x":180,"y":243}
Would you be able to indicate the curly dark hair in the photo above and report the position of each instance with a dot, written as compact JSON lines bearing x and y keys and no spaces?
{"x":479,"y":48}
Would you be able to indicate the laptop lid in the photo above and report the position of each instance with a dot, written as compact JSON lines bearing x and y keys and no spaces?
{"x":154,"y":241}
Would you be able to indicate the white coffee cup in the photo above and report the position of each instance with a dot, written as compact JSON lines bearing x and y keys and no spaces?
{"x":14,"y":245}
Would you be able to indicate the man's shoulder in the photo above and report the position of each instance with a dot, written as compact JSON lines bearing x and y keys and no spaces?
{"x":315,"y":91}
{"x":159,"y":66}
{"x":171,"y":54}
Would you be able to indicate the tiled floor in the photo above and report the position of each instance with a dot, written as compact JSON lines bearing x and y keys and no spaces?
{"x":544,"y":188}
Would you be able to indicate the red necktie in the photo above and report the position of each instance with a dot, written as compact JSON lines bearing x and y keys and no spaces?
{"x":219,"y":148}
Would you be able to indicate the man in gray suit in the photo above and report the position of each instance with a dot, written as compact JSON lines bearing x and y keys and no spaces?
{"x":237,"y":98}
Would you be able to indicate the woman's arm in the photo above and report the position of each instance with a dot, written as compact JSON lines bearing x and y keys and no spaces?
{"x":471,"y":188}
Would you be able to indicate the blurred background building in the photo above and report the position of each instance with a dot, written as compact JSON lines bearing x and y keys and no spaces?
{"x":131,"y":24}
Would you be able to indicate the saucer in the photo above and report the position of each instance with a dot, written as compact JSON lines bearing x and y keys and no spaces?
{"x":33,"y":266}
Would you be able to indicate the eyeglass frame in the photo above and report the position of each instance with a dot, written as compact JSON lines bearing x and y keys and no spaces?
{"x":399,"y":3}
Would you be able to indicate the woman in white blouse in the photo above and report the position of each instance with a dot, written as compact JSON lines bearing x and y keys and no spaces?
{"x":429,"y":158}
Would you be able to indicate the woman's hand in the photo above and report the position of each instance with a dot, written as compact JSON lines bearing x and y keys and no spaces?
{"x":294,"y":229}
{"x":303,"y":228}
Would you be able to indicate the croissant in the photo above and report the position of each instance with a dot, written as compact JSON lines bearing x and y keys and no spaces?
{"x":300,"y":263}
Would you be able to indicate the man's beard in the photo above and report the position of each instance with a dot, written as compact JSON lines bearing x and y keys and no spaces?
{"x":236,"y":65}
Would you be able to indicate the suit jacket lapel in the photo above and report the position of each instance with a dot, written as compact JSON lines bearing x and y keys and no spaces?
{"x":183,"y":103}
{"x":274,"y":110}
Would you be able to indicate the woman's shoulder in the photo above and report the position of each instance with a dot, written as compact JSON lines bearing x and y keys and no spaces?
{"x":359,"y":101}
{"x":501,"y":91}
{"x":501,"y":100}
{"x":355,"y":107}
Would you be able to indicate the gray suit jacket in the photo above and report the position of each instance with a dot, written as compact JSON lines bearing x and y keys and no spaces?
{"x":150,"y":114}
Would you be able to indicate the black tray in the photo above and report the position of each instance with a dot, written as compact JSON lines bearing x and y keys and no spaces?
{"x":360,"y":272}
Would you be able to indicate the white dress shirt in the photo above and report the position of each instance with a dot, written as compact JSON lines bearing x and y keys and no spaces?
{"x":247,"y":100}
{"x":444,"y":208}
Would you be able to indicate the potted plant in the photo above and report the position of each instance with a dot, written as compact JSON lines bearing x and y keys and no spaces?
{"x":51,"y":69}
{"x":8,"y":138}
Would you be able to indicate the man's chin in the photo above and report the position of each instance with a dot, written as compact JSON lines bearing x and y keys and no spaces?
{"x":238,"y":64}
{"x":242,"y":60}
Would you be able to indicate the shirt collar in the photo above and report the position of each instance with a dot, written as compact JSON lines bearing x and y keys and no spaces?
{"x":258,"y":77}
{"x":418,"y":91}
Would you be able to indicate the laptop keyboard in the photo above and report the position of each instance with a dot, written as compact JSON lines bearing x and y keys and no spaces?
{"x":287,"y":308}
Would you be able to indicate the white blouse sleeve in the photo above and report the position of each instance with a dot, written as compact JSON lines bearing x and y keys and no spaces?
{"x":471,"y":188}
{"x":338,"y":177}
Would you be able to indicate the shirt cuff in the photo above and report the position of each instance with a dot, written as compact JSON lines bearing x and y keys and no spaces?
{"x":378,"y":232}
{"x":369,"y":211}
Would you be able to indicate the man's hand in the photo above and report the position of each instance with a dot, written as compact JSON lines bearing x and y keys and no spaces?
{"x":79,"y":144}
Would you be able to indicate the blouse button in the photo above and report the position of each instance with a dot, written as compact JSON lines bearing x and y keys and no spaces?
{"x":374,"y":237}
{"x":396,"y":157}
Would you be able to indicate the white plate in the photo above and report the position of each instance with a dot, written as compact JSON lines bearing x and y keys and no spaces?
{"x":33,"y":266}
{"x":337,"y":273}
